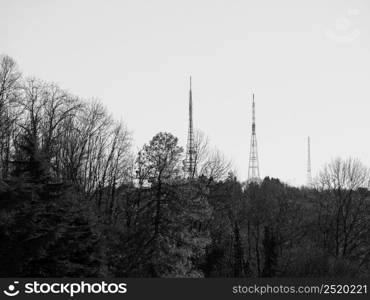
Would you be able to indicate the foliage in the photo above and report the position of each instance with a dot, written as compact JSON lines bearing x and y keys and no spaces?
{"x":75,"y":201}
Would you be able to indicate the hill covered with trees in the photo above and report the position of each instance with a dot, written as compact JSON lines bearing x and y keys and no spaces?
{"x":75,"y":200}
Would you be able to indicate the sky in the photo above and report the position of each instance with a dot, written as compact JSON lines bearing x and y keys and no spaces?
{"x":307,"y":62}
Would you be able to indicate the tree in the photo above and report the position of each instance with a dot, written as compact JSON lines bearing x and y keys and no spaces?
{"x":165,"y":233}
{"x":48,"y":232}
{"x":343,"y":209}
{"x":207,"y":161}
{"x":9,"y":89}
{"x":225,"y":255}
{"x":269,"y":247}
{"x":161,"y":158}
{"x":238,"y":255}
{"x":162,"y":161}
{"x":74,"y":201}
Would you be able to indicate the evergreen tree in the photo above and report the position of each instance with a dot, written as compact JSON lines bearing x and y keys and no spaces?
{"x":170,"y":216}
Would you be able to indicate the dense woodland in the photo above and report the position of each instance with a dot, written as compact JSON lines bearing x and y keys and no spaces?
{"x":75,"y":200}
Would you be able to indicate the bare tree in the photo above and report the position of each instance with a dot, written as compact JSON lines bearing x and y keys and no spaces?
{"x":9,"y":79}
{"x":344,"y":208}
{"x":344,"y":175}
{"x":9,"y":88}
{"x":216,"y":166}
{"x":209,"y":162}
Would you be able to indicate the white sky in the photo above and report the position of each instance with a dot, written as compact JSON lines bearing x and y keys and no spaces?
{"x":308,"y":63}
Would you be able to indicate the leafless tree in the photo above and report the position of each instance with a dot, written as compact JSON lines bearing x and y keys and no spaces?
{"x":344,"y":209}
{"x":9,"y":87}
{"x":344,"y":175}
{"x":209,"y":162}
{"x":96,"y":152}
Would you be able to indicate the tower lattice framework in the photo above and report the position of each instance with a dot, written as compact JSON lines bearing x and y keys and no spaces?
{"x":309,"y":175}
{"x":253,"y":170}
{"x":190,"y":147}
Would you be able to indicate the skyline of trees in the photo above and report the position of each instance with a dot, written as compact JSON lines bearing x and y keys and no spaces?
{"x":75,"y":200}
{"x":13,"y":83}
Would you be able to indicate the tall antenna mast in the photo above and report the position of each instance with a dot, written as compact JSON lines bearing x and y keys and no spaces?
{"x":253,"y":171}
{"x":190,"y":151}
{"x":309,"y":175}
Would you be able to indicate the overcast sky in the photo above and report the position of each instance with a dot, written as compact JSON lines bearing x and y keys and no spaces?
{"x":308,"y":63}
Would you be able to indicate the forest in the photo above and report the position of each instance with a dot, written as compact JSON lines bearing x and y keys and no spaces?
{"x":77,"y":201}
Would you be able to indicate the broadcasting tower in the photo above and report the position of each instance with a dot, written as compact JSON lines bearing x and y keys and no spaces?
{"x":309,"y":176}
{"x":253,"y":171}
{"x":190,"y":149}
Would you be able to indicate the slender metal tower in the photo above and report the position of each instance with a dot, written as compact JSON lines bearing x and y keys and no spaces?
{"x":309,"y":176}
{"x":253,"y":171}
{"x":190,"y":150}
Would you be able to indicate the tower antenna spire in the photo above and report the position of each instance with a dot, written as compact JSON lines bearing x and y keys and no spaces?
{"x":253,"y":170}
{"x":190,"y":150}
{"x":309,"y":175}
